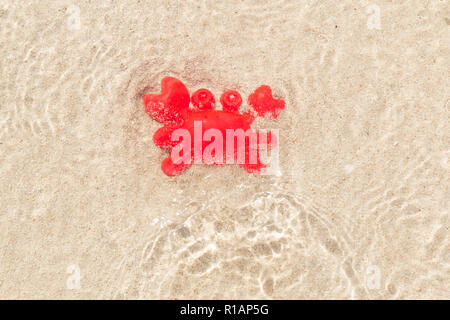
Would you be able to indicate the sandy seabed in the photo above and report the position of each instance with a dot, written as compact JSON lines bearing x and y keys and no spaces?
{"x":360,"y":210}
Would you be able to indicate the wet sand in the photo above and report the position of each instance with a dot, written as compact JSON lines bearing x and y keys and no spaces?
{"x":360,"y":210}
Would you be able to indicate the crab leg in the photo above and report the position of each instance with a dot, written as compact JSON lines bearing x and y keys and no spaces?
{"x":162,"y":136}
{"x":171,"y":169}
{"x":254,"y":168}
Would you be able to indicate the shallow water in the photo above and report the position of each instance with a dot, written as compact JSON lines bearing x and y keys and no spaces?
{"x":360,"y":209}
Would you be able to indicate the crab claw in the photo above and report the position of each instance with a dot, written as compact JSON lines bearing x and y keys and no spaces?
{"x":264,"y":104}
{"x":169,"y":104}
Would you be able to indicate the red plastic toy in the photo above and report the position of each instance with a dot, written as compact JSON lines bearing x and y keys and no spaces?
{"x":171,"y":107}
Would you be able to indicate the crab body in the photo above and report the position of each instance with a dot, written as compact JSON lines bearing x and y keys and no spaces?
{"x":207,"y":133}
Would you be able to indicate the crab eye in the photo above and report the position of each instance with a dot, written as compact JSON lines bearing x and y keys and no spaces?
{"x":202,"y":99}
{"x":231,"y":100}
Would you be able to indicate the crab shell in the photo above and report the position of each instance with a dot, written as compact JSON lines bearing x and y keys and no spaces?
{"x":171,"y":107}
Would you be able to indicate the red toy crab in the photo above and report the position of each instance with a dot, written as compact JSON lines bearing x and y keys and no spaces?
{"x":171,"y":107}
